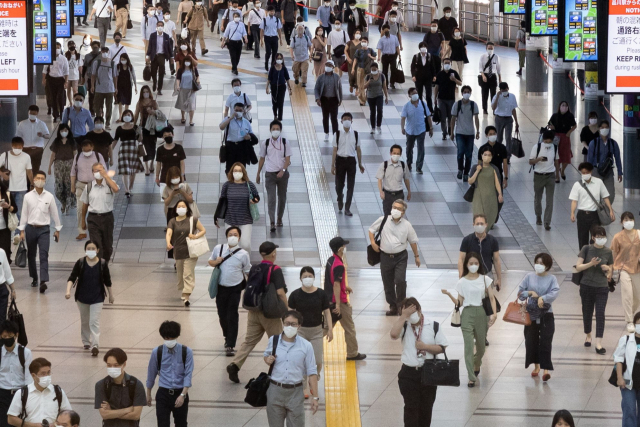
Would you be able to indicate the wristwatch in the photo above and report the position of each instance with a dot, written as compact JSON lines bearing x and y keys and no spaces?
{"x":183,"y":395}
{"x":316,"y":398}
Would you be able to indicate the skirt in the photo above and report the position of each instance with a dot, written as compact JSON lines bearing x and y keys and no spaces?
{"x":186,"y":100}
{"x":128,"y":161}
{"x":564,"y":148}
{"x":124,"y":95}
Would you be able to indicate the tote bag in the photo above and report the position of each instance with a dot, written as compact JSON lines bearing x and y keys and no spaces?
{"x":253,"y":207}
{"x":197,"y":247}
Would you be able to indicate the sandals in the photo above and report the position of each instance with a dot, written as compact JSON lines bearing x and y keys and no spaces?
{"x":183,"y":121}
{"x":546,"y":377}
{"x":534,"y":374}
{"x":471,"y":384}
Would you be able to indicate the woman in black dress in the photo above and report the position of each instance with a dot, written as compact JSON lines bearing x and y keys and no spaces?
{"x":126,"y":82}
{"x":458,"y":51}
{"x":589,"y":133}
{"x":129,"y":163}
{"x":147,"y":106}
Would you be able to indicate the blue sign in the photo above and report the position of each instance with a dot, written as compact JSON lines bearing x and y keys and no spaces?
{"x":44,"y":41}
{"x":79,"y":7}
{"x":64,"y":19}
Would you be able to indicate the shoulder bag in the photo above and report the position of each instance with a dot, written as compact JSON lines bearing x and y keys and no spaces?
{"x":339,"y":50}
{"x":373,"y":257}
{"x":455,"y":317}
{"x":606,"y":167}
{"x":517,"y":313}
{"x":480,"y":81}
{"x":576,"y":276}
{"x":272,"y":306}
{"x":613,"y":379}
{"x":214,"y":281}
{"x":222,"y":153}
{"x":515,"y":146}
{"x":486,"y":301}
{"x":257,"y":387}
{"x":468,"y":196}
{"x":197,"y":247}
{"x":601,"y":209}
{"x":440,"y":372}
{"x":15,"y":316}
{"x":253,"y":207}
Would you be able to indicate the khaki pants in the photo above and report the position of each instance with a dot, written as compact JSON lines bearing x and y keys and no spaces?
{"x":79,"y":189}
{"x":186,"y":274}
{"x":474,"y":325}
{"x":458,"y":66}
{"x":301,"y":66}
{"x":446,"y":50}
{"x":349,"y":329}
{"x":197,"y":34}
{"x":122,"y":15}
{"x":630,"y":287}
{"x":362,"y":94}
{"x":257,"y":325}
{"x":315,"y":336}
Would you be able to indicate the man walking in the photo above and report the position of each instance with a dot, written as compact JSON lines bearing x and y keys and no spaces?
{"x":390,"y":177}
{"x":238,"y":137}
{"x":434,"y":41}
{"x":38,"y":209}
{"x":465,"y":113}
{"x":104,"y":80}
{"x":446,"y":25}
{"x":490,"y":73}
{"x":14,"y":365}
{"x":288,"y":12}
{"x":504,"y":106}
{"x":395,"y":233}
{"x":300,"y":49}
{"x":423,"y":73}
{"x":33,"y":132}
{"x":328,"y":93}
{"x":336,"y":44}
{"x":234,"y":35}
{"x":85,"y":79}
{"x":343,"y":162}
{"x":415,"y":117}
{"x":149,"y":24}
{"x":102,"y":10}
{"x":603,"y":154}
{"x":270,"y":34}
{"x":78,"y":118}
{"x":18,"y":171}
{"x":544,"y":163}
{"x":116,"y":49}
{"x":388,"y":51}
{"x":56,"y":77}
{"x":255,"y":18}
{"x":160,"y":50}
{"x":81,"y":174}
{"x":196,"y":19}
{"x":447,"y":82}
{"x":122,"y":17}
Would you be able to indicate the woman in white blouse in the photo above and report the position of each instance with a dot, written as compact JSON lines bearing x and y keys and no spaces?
{"x":472,"y":288}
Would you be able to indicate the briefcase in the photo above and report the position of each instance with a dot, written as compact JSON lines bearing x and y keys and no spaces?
{"x":257,"y":387}
{"x":397,"y":75}
{"x":441,"y":372}
{"x":16,"y":317}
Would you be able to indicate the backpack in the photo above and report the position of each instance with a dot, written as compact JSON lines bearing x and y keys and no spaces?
{"x":24,"y":391}
{"x":460,"y":106}
{"x":264,"y":20}
{"x":555,"y":149}
{"x":159,"y":352}
{"x":131,"y":384}
{"x":98,"y":155}
{"x":86,"y":66}
{"x":259,"y":277}
{"x":436,"y":328}
{"x":20,"y":357}
{"x":338,"y":137}
{"x":284,"y":151}
{"x":386,"y":162}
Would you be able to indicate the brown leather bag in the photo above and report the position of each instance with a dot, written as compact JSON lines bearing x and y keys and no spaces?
{"x":517,"y":313}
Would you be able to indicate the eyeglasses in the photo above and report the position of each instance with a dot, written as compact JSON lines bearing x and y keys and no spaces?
{"x":294,"y":324}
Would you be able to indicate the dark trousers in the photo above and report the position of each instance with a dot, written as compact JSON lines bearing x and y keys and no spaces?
{"x":489,"y":86}
{"x":389,"y":60}
{"x":537,"y":340}
{"x":465,"y":152}
{"x":38,"y":239}
{"x":166,"y":404}
{"x":345,"y":168}
{"x":255,"y":33}
{"x":413,"y":140}
{"x":5,"y":242}
{"x":235,"y":50}
{"x":249,"y":37}
{"x":277,"y":100}
{"x":56,"y":86}
{"x":36,"y":157}
{"x":288,"y":29}
{"x":326,"y":30}
{"x":90,"y":94}
{"x":593,"y":298}
{"x":586,"y":220}
{"x":149,"y":141}
{"x":393,"y":269}
{"x":428,"y":92}
{"x":4,"y":304}
{"x":6,"y":396}
{"x":101,"y":233}
{"x":375,"y":110}
{"x":270,"y":49}
{"x":157,"y":71}
{"x":227,"y":303}
{"x":389,"y":198}
{"x":329,"y":109}
{"x":418,"y":398}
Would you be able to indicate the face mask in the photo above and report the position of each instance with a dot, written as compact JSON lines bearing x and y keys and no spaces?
{"x":479,"y":228}
{"x":628,"y":225}
{"x":175,"y":181}
{"x":490,"y":51}
{"x":365,"y":44}
{"x":564,"y":109}
{"x":275,"y":134}
{"x":466,"y":96}
{"x":145,"y":95}
{"x":187,"y":64}
{"x":346,"y":124}
{"x":152,"y":12}
{"x":586,"y":177}
{"x":64,"y":134}
{"x":456,"y":35}
{"x":170,"y":343}
{"x":328,"y":4}
{"x":32,"y":116}
{"x":374,"y":72}
{"x":434,"y":29}
{"x":183,"y":47}
{"x":394,"y":8}
{"x":124,"y":62}
{"x":167,"y":17}
{"x":637,"y":329}
{"x":199,"y":3}
{"x":258,"y":5}
{"x":601,"y":241}
{"x":105,"y":55}
{"x":114,"y":372}
{"x":99,"y":126}
{"x":8,"y":342}
{"x":44,"y":382}
{"x":492,"y":138}
{"x":168,"y":140}
{"x":473,"y":268}
{"x":307,"y":282}
{"x":238,"y":176}
{"x":87,"y":153}
{"x":290,"y":331}
{"x":77,"y":104}
{"x":58,"y":51}
{"x":117,"y":41}
{"x":236,"y":19}
{"x":395,"y":213}
{"x":358,"y":36}
{"x":279,"y":61}
{"x":38,"y":183}
{"x":337,"y":26}
{"x":547,"y":143}
{"x":97,"y":175}
{"x":395,"y":158}
{"x":232,"y":240}
{"x":414,"y":318}
{"x":160,"y":30}
{"x":239,"y":114}
{"x":604,"y":131}
{"x":181,"y":211}
{"x":448,"y":15}
{"x":393,"y":19}
{"x":415,"y":97}
{"x":92,"y":254}
{"x":423,"y":50}
{"x":127,"y":119}
{"x":328,"y":69}
{"x":593,"y":121}
{"x":540,"y":268}
{"x":447,"y":67}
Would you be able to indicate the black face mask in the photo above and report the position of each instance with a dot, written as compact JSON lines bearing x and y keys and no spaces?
{"x":8,"y":342}
{"x":168,"y":140}
{"x":72,"y":48}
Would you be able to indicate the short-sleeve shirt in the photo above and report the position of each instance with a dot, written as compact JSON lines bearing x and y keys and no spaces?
{"x":428,"y":336}
{"x":105,"y":73}
{"x":347,"y":145}
{"x":506,"y":104}
{"x":486,"y":248}
{"x":563,"y":122}
{"x":232,"y":270}
{"x":270,"y":25}
{"x":464,"y":113}
{"x":310,"y":305}
{"x":585,"y":202}
{"x":446,"y":25}
{"x":18,"y":165}
{"x":277,"y":278}
{"x":275,"y":154}
{"x":594,"y":276}
{"x":499,"y":155}
{"x":120,"y":398}
{"x":587,"y":136}
{"x":337,"y":38}
{"x":90,"y":291}
{"x":415,"y":117}
{"x":234,"y":99}
{"x":63,"y":151}
{"x":168,"y":189}
{"x":169,"y":158}
{"x":446,"y":87}
{"x":101,"y":142}
{"x":393,"y":176}
{"x":387,"y":45}
{"x":336,"y":268}
{"x":548,"y":151}
{"x":179,"y":237}
{"x":473,"y":291}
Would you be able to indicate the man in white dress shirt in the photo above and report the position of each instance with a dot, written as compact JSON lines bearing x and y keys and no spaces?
{"x":6,"y":290}
{"x":343,"y":164}
{"x":117,"y":49}
{"x":55,"y":77}
{"x":14,"y":365}
{"x":34,"y":132}
{"x":489,"y":68}
{"x":38,"y":208}
{"x":102,"y":9}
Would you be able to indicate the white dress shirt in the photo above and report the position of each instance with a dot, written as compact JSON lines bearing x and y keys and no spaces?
{"x":473,"y":291}
{"x":12,"y":375}
{"x":102,"y":11}
{"x":28,"y":131}
{"x":347,"y":144}
{"x":585,"y":202}
{"x":231,"y":271}
{"x":493,"y":68}
{"x":59,"y":68}
{"x":99,"y":199}
{"x":506,"y":104}
{"x":255,"y":18}
{"x":548,"y":151}
{"x":394,"y":236}
{"x":5,"y":276}
{"x":409,"y":350}
{"x":40,"y":405}
{"x":113,"y":49}
{"x":38,"y":209}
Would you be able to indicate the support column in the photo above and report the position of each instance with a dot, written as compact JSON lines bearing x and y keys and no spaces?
{"x":594,"y":98}
{"x":8,"y":122}
{"x":563,"y":88}
{"x":37,"y":82}
{"x":536,"y":71}
{"x":631,"y":150}
{"x":25,"y":101}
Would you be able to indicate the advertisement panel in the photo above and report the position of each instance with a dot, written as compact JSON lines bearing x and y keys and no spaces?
{"x":623,"y":47}
{"x":14,"y":46}
{"x":79,"y":8}
{"x":64,"y":19}
{"x":580,"y":30}
{"x":544,"y":18}
{"x":44,"y":44}
{"x":513,"y":7}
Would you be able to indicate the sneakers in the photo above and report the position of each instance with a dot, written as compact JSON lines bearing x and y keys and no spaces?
{"x":230,"y":352}
{"x":459,"y":176}
{"x":232,"y":370}
{"x":373,"y":130}
{"x":95,"y":351}
{"x":326,"y":137}
{"x":359,"y":356}
{"x":87,"y":346}
{"x":379,"y":131}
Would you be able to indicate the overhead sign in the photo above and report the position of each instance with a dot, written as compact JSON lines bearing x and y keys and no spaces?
{"x":513,"y":7}
{"x":623,"y":47}
{"x":580,"y":30}
{"x":64,"y":18}
{"x":44,"y":44}
{"x":79,"y":8}
{"x":14,"y":47}
{"x":544,"y":18}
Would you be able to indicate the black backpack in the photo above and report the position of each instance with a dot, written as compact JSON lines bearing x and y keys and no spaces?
{"x":436,"y":328}
{"x":24,"y":391}
{"x":20,"y":358}
{"x":256,"y":286}
{"x":386,"y":162}
{"x":159,"y":356}
{"x":338,"y":137}
{"x":460,"y":107}
{"x":130,"y":383}
{"x":284,"y":151}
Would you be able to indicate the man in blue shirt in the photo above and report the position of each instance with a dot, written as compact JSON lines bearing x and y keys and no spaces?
{"x":172,"y":363}
{"x":324,"y":17}
{"x":388,"y":52}
{"x":600,"y":151}
{"x":270,"y":33}
{"x":237,"y":139}
{"x":234,"y":34}
{"x":78,"y":119}
{"x":414,"y":118}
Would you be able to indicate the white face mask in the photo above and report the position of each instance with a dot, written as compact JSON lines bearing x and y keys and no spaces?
{"x":337,"y":26}
{"x":187,"y":64}
{"x":593,"y":121}
{"x":97,"y":175}
{"x":237,"y":176}
{"x":87,"y":153}
{"x":198,"y":3}
{"x":307,"y":282}
{"x":490,"y":51}
{"x":236,"y":19}
{"x":328,"y":4}
{"x":232,"y":240}
{"x":540,"y":268}
{"x":393,"y":19}
{"x":628,"y":225}
{"x":604,"y":131}
{"x":237,"y":90}
{"x":374,"y":72}
{"x":448,"y":14}
{"x":637,"y":329}
{"x":152,"y":12}
{"x":395,"y":213}
{"x":346,"y":124}
{"x":601,"y":241}
{"x":358,"y":36}
{"x":434,"y":29}
{"x":38,"y":183}
{"x":64,"y":134}
{"x":170,"y":343}
{"x":183,"y":47}
{"x":124,"y":62}
{"x":414,"y":318}
{"x":160,"y":30}
{"x":181,"y":211}
{"x":239,"y":114}
{"x":32,"y":117}
{"x":328,"y":69}
{"x":105,"y":55}
{"x":586,"y":177}
{"x":99,"y":126}
{"x":394,"y":8}
{"x":492,"y":138}
{"x":258,"y":5}
{"x":479,"y":228}
{"x":77,"y":104}
{"x":290,"y":331}
{"x":456,"y":35}
{"x":415,"y":97}
{"x":167,"y":17}
{"x":447,"y":67}
{"x":145,"y":95}
{"x":466,"y":95}
{"x":395,"y":158}
{"x":423,"y":50}
{"x":58,"y":51}
{"x":279,"y":61}
{"x":365,"y":44}
{"x":114,"y":372}
{"x":473,"y":268}
{"x":127,"y":119}
{"x":92,"y":254}
{"x":44,"y":382}
{"x":175,"y":181}
{"x":275,"y":134}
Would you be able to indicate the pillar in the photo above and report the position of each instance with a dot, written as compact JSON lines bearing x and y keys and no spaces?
{"x":631,"y":138}
{"x":536,"y":71}
{"x":8,"y":122}
{"x":594,"y":98}
{"x":25,"y":101}
{"x":563,"y":87}
{"x":37,"y":79}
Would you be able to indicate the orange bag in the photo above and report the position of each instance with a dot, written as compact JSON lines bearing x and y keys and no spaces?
{"x":517,"y":313}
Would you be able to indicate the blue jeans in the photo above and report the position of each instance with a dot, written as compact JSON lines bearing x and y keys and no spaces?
{"x":465,"y":152}
{"x":630,"y":404}
{"x":411,"y":141}
{"x":18,"y":196}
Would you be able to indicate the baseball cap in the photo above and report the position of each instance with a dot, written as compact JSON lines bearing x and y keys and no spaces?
{"x":266,"y":248}
{"x":336,"y":243}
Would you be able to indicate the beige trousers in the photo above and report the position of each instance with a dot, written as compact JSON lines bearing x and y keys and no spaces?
{"x":122,"y":15}
{"x":349,"y":329}
{"x":79,"y":189}
{"x":301,"y":66}
{"x":197,"y":34}
{"x":257,"y":325}
{"x":186,"y":269}
{"x":362,"y":94}
{"x":458,"y":66}
{"x":630,"y":288}
{"x":315,"y":337}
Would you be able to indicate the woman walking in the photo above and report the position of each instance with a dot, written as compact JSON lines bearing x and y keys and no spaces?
{"x":626,"y":353}
{"x":7,"y":205}
{"x":277,"y":84}
{"x":319,"y":57}
{"x":184,"y":226}
{"x":350,"y":53}
{"x":234,"y":264}
{"x":589,"y":133}
{"x":541,"y":289}
{"x":472,"y":287}
{"x":626,"y":253}
{"x":240,"y":194}
{"x":458,"y":46}
{"x":174,"y":191}
{"x":91,"y":278}
{"x":488,"y":191}
{"x":63,"y":151}
{"x":185,"y":52}
{"x":563,"y":418}
{"x":596,"y":264}
{"x":75,"y":61}
{"x":146,"y":106}
{"x":130,"y":138}
{"x":563,"y":123}
{"x":126,"y":82}
{"x":313,"y":303}
{"x":376,"y":88}
{"x":185,"y":79}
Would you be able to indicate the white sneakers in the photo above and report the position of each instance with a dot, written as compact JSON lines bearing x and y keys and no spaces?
{"x":326,"y":137}
{"x":379,"y":131}
{"x":631,"y":327}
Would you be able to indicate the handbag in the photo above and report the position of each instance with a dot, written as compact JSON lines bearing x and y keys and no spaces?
{"x":606,"y":167}
{"x":517,"y":313}
{"x":12,"y":220}
{"x":486,"y":301}
{"x":317,"y":55}
{"x":142,"y":152}
{"x":21,"y":255}
{"x":345,"y":66}
{"x":440,"y":372}
{"x":339,"y":50}
{"x":436,"y":116}
{"x":613,"y":378}
{"x":603,"y":214}
{"x":257,"y":387}
{"x":397,"y":75}
{"x":253,"y":207}
{"x":468,"y":196}
{"x":373,"y":257}
{"x":515,"y":146}
{"x":146,"y":73}
{"x":129,"y":23}
{"x":455,"y":317}
{"x":15,"y":316}
{"x":222,"y":152}
{"x":576,"y":276}
{"x":214,"y":280}
{"x":197,"y":247}
{"x":196,"y":86}
{"x":480,"y":81}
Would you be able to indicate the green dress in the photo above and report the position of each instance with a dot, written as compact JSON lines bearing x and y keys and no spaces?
{"x":485,"y":197}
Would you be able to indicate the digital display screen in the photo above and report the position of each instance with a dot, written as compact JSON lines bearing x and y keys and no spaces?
{"x":544,"y":18}
{"x":64,"y":19}
{"x":623,"y":60}
{"x":79,"y":8}
{"x":514,"y":7}
{"x":43,"y":31}
{"x":14,"y":62}
{"x":580,"y":31}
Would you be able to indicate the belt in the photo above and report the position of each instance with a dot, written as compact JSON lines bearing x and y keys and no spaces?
{"x":286,"y":385}
{"x":413,"y":368}
{"x":394,"y":255}
{"x":504,"y":117}
{"x":172,"y":391}
{"x":101,"y":214}
{"x":587,"y":212}
{"x":3,"y":391}
{"x":392,"y":192}
{"x":37,"y":226}
{"x":548,"y":173}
